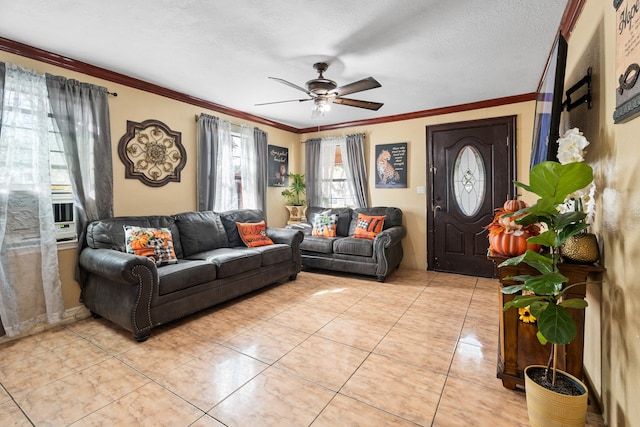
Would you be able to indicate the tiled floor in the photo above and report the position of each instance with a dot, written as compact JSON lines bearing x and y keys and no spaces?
{"x":323,"y":350}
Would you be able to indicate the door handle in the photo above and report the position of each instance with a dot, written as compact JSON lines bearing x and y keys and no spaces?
{"x":436,"y":208}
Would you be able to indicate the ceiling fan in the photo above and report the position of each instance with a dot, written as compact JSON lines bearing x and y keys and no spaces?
{"x":323,"y":92}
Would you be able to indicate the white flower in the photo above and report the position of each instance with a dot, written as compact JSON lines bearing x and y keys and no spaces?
{"x":571,"y":146}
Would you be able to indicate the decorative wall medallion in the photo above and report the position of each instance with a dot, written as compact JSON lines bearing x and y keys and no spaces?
{"x":152,"y":152}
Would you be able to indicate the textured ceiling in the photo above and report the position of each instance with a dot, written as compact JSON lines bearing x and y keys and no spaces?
{"x":426,"y":54}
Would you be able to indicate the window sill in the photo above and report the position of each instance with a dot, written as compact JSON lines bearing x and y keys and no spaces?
{"x":68,"y":244}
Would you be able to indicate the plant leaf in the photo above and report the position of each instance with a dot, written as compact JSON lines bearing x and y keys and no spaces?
{"x":578,"y":303}
{"x":557,"y":181}
{"x":522,"y":301}
{"x":548,"y":238}
{"x":556,"y":325}
{"x":546,"y":284}
{"x":538,"y":307}
{"x":541,"y":338}
{"x":540,"y":262}
{"x":508,"y":290}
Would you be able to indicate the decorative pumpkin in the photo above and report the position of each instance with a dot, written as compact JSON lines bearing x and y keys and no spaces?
{"x":511,"y":244}
{"x":514,"y":205}
{"x":505,"y":236}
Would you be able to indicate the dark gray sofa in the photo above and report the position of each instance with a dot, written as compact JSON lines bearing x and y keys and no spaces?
{"x":378,"y":257}
{"x":213,"y":266}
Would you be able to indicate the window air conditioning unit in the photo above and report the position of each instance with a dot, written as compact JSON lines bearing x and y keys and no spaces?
{"x":64,"y":216}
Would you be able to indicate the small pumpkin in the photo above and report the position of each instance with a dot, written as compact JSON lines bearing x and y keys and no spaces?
{"x":511,"y":244}
{"x":514,"y":205}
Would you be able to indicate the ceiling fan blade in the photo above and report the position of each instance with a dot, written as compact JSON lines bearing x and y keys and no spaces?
{"x":359,"y":86}
{"x":293,"y":85}
{"x":281,"y":102}
{"x":360,"y":104}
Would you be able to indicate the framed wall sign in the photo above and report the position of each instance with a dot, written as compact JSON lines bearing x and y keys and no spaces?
{"x":627,"y":60}
{"x":278,"y":165}
{"x":391,"y":165}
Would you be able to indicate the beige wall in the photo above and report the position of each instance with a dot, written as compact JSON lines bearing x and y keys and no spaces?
{"x":612,"y":341}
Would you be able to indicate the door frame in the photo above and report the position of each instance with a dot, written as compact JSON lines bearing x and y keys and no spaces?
{"x":510,"y":122}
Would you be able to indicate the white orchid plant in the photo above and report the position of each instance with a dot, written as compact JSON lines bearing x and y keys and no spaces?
{"x":571,"y":148}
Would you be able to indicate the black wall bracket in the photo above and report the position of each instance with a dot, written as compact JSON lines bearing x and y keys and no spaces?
{"x":586,"y":98}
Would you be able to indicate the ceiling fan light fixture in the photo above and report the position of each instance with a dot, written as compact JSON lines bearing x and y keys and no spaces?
{"x":320,"y":107}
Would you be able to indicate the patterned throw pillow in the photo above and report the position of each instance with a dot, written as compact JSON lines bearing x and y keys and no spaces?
{"x":325,"y":224}
{"x":254,"y":234}
{"x":155,"y":243}
{"x":368,"y":227}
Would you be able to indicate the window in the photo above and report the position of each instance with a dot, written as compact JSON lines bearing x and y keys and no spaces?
{"x":236,"y":140}
{"x":336,"y":189}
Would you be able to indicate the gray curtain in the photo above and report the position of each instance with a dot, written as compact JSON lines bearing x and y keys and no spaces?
{"x":207,"y":137}
{"x":81,"y":112}
{"x":311,"y":168}
{"x":261,"y":139}
{"x":355,"y":157}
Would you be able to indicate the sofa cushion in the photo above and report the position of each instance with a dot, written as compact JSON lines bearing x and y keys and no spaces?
{"x":232,"y":261}
{"x":353,"y":246}
{"x":109,"y":233}
{"x":318,"y":244}
{"x":154,"y":243}
{"x":185,"y":274}
{"x":201,"y":231}
{"x":253,"y":234}
{"x":368,"y":227}
{"x":393,"y":216}
{"x":274,"y":254}
{"x":344,"y":218}
{"x":229,"y":219}
{"x":325,"y":224}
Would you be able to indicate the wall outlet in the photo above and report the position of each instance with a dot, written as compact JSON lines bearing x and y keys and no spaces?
{"x":421,"y":189}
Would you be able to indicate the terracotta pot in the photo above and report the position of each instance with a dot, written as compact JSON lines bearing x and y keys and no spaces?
{"x":547,"y":408}
{"x":581,"y":249}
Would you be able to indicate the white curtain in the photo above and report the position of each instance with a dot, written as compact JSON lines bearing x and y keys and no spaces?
{"x":336,"y":184}
{"x":30,"y":288}
{"x":226,"y":195}
{"x":248,"y":168}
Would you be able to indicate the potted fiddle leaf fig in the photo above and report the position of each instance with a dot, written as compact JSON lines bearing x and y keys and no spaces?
{"x":545,"y":293}
{"x":295,"y":203}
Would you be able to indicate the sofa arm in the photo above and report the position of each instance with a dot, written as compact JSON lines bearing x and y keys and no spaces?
{"x":289,"y":237}
{"x":115,"y":265}
{"x":387,"y":250}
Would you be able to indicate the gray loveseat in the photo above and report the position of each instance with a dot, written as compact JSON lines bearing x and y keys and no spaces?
{"x":213,"y":266}
{"x":377,"y":257}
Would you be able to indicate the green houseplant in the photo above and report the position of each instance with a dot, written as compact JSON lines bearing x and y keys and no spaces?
{"x":545,"y":293}
{"x":296,"y":189}
{"x":295,"y":203}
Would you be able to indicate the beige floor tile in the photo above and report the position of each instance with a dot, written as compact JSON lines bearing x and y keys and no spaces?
{"x":425,"y":350}
{"x":207,"y":421}
{"x":322,"y":361}
{"x":345,"y":411}
{"x":267,"y":342}
{"x":475,"y":363}
{"x":73,"y":397}
{"x":113,"y":340}
{"x":32,"y":372}
{"x":404,"y":390}
{"x":213,"y":376}
{"x":43,"y":342}
{"x":273,"y":398}
{"x":354,"y":332}
{"x":150,"y":405}
{"x":11,"y":415}
{"x":466,"y":403}
{"x":305,"y":318}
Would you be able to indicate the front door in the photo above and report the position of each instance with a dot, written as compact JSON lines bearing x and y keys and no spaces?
{"x":471,"y":172}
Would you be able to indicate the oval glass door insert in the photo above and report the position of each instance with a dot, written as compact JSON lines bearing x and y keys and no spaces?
{"x":469,"y":180}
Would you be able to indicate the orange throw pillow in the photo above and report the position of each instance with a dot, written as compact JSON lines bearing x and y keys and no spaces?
{"x":368,"y":227}
{"x":254,"y":234}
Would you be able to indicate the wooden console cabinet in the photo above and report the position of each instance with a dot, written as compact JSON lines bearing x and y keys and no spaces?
{"x":519,"y":346}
